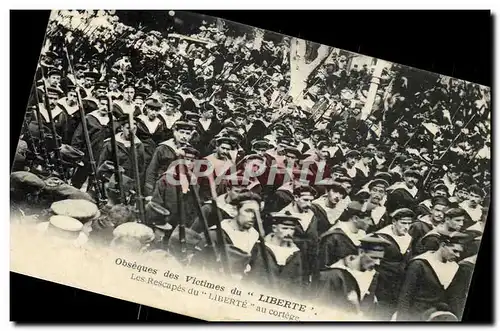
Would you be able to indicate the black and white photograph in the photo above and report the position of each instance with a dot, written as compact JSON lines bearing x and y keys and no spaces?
{"x":326,"y":176}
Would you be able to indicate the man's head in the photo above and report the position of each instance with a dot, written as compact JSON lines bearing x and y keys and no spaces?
{"x":113,"y":84}
{"x":200,"y":93}
{"x":268,"y":115}
{"x":476,"y":195}
{"x":284,"y":226}
{"x":359,"y":214}
{"x":151,"y":108}
{"x":377,"y":189}
{"x":352,"y":157}
{"x":439,"y":207}
{"x":260,"y":146}
{"x":54,"y":78}
{"x":224,"y":146}
{"x":371,"y":252}
{"x":367,"y":157}
{"x":183,"y":132}
{"x":90,"y":79}
{"x":247,"y":204}
{"x":454,"y":219}
{"x":453,"y":174}
{"x":239,"y":117}
{"x":139,"y":100}
{"x":125,"y":125}
{"x":338,"y":171}
{"x":335,"y":139}
{"x":71,"y":97}
{"x":402,"y":220}
{"x":208,"y":111}
{"x":304,"y":195}
{"x":335,"y":193}
{"x":452,"y":246}
{"x":461,"y":193}
{"x":346,"y":183}
{"x":128,"y":92}
{"x":53,"y":95}
{"x":411,"y":177}
{"x":439,"y":190}
{"x":171,"y":105}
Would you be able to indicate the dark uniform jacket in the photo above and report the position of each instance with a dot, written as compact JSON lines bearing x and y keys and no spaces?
{"x":424,"y":287}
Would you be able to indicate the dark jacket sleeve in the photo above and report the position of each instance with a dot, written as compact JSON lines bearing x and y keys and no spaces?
{"x":408,"y":290}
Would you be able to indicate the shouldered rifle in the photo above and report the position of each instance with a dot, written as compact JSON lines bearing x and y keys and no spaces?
{"x":224,"y":257}
{"x":180,"y":210}
{"x":57,"y":143}
{"x":135,"y":162}
{"x":263,"y":248}
{"x":196,"y":197}
{"x":118,"y":175}
{"x":88,"y":144}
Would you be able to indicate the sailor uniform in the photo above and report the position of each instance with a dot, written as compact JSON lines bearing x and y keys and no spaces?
{"x":99,"y":131}
{"x":226,"y":210}
{"x":306,"y":238}
{"x":401,"y":196}
{"x":424,"y":286}
{"x":346,"y":289}
{"x":459,"y":287}
{"x":124,"y":154}
{"x":121,"y":108}
{"x":70,"y":119}
{"x":164,"y":154}
{"x":327,"y":216}
{"x":285,"y":264}
{"x":241,"y":247}
{"x":151,"y":133}
{"x":392,"y":270}
{"x":475,"y":214}
{"x":336,"y":243}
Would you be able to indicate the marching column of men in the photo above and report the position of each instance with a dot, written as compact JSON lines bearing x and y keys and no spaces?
{"x":349,"y":229}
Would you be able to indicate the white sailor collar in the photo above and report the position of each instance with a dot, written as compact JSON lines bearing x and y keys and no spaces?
{"x":403,"y":241}
{"x":244,"y":240}
{"x":445,"y":272}
{"x":102,"y":119}
{"x":228,"y":208}
{"x":363,"y":278}
{"x":281,"y":253}
{"x":401,"y":185}
{"x":304,"y":218}
{"x":150,"y":125}
{"x":354,"y":237}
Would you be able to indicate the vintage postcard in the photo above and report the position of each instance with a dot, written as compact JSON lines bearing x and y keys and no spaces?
{"x":226,"y":172}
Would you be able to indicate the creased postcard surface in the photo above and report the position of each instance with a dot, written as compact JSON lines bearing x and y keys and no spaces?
{"x":230,"y":173}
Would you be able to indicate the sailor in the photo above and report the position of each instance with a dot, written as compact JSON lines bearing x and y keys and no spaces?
{"x":349,"y":284}
{"x":285,"y":263}
{"x":454,"y":219}
{"x":150,"y":129}
{"x":396,"y":257}
{"x":343,"y":238}
{"x":166,"y":152}
{"x":329,"y":207}
{"x":428,"y":276}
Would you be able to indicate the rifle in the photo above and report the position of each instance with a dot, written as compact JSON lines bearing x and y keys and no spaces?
{"x":196,"y":197}
{"x":263,"y":247}
{"x":31,"y":143}
{"x":118,"y":175}
{"x":220,"y":236}
{"x":57,"y":145}
{"x":88,"y":144}
{"x":180,"y":209}
{"x":43,"y":149}
{"x":133,"y":150}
